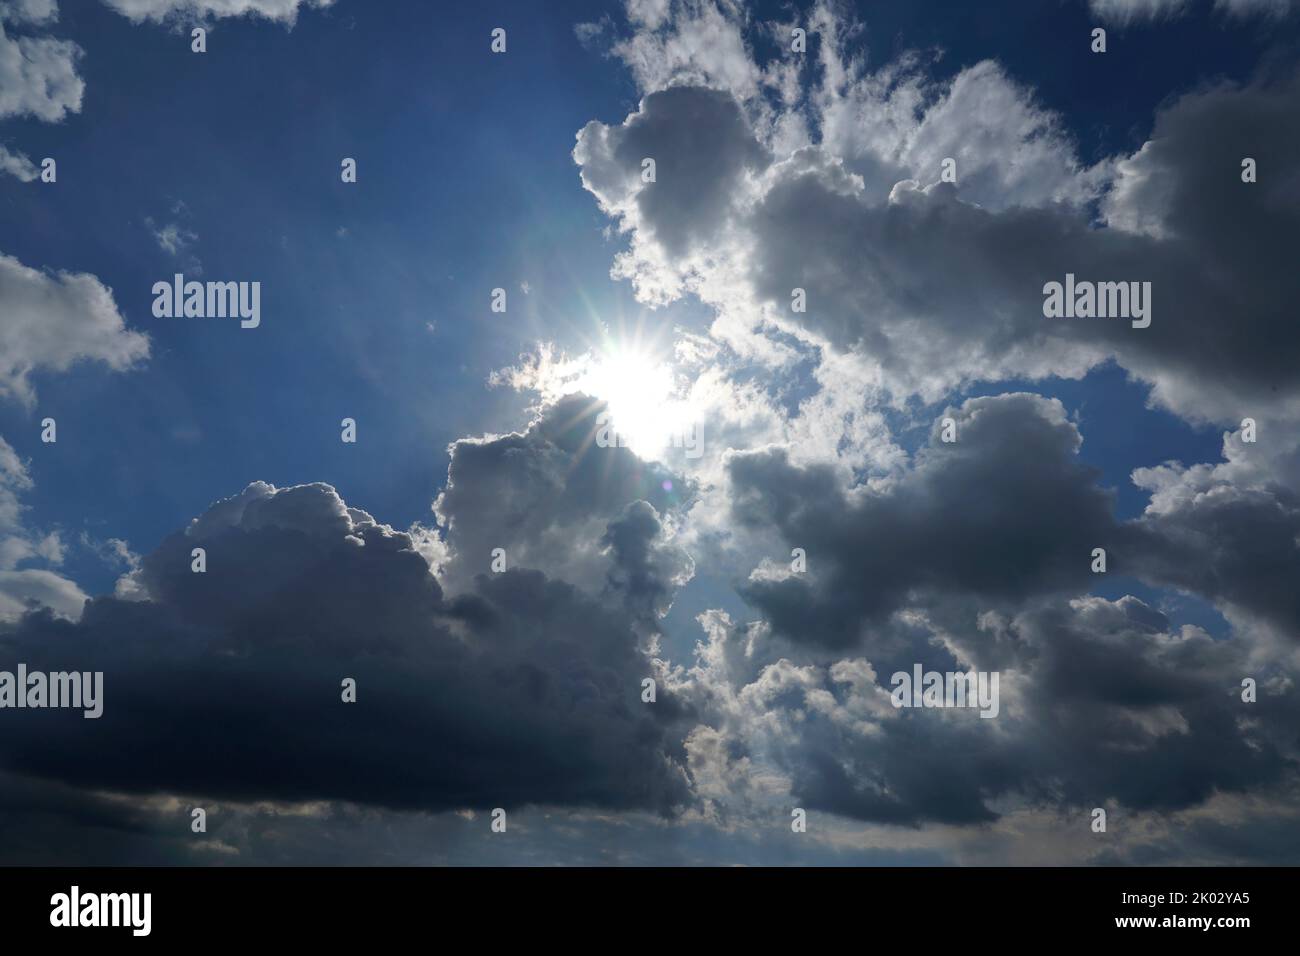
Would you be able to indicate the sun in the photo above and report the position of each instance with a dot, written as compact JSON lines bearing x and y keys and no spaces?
{"x":628,"y":365}
{"x":639,"y":390}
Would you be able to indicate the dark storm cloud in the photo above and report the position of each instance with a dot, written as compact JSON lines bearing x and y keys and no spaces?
{"x":227,"y":683}
{"x":47,"y":823}
{"x":1125,"y":708}
{"x":645,"y":572}
{"x":929,"y":275}
{"x":1007,"y":512}
{"x":1260,"y":839}
{"x":915,"y":774}
{"x":1240,"y":546}
{"x":1101,"y":704}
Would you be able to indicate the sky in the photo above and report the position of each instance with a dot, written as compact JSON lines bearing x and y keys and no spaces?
{"x":781,"y":523}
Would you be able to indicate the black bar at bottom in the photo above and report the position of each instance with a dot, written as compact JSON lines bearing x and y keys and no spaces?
{"x":333,"y":906}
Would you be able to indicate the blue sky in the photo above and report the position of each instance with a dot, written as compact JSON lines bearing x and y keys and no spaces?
{"x":464,"y":186}
{"x":819,"y":430}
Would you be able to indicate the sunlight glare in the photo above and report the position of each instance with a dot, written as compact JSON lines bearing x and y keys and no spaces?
{"x":639,"y":392}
